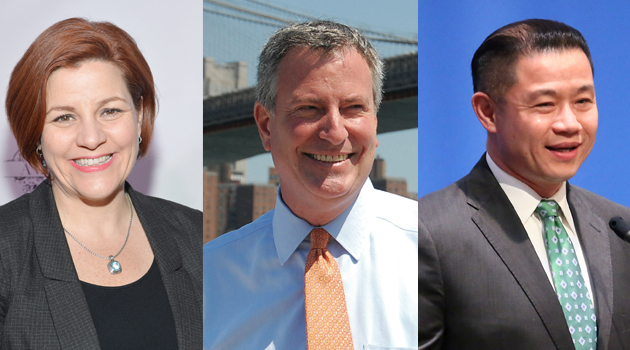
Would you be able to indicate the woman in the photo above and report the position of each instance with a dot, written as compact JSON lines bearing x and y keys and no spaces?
{"x":85,"y":261}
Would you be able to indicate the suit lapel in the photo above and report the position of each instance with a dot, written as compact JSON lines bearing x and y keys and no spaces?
{"x":177,"y":283}
{"x":68,"y":307}
{"x":596,"y":247}
{"x":498,"y":222}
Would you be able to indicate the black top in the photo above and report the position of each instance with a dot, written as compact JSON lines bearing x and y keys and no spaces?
{"x":42,"y":303}
{"x":133,"y":316}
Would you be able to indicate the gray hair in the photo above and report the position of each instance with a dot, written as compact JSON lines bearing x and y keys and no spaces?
{"x":321,"y":36}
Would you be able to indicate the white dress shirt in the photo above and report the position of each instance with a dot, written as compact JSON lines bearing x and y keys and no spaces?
{"x":254,"y":277}
{"x":525,"y":200}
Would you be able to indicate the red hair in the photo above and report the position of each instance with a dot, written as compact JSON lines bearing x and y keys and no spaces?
{"x":65,"y":44}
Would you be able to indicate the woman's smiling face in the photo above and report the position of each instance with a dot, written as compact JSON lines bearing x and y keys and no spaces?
{"x":91,"y":130}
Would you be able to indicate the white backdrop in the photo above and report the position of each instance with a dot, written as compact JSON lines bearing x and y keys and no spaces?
{"x":169,"y":34}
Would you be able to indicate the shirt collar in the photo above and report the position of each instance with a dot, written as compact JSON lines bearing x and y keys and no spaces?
{"x":524,"y":199}
{"x":350,"y":229}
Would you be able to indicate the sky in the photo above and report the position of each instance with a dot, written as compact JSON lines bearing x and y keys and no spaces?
{"x":399,"y":149}
{"x":451,"y":140}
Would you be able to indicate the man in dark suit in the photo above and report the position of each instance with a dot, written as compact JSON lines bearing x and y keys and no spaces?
{"x":512,"y":256}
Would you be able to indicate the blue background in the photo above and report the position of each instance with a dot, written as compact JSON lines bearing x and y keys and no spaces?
{"x":451,"y":139}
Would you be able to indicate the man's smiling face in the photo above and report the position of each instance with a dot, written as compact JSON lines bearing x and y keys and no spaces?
{"x":322,"y":135}
{"x":546,"y":127}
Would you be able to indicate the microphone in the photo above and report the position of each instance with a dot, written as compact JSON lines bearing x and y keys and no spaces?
{"x":621,"y":227}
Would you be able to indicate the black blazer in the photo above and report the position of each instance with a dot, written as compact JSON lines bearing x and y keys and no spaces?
{"x":42,"y":305}
{"x":481,"y":284}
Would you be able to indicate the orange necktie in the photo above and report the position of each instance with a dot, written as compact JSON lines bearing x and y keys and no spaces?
{"x":327,"y":325}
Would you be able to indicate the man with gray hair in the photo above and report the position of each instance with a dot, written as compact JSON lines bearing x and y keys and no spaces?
{"x":333,"y":266}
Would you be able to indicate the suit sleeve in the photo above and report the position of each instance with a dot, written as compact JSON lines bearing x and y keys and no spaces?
{"x":430,"y":293}
{"x":3,"y":296}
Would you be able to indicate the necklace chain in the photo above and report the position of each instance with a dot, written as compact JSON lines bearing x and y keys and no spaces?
{"x":111,"y":257}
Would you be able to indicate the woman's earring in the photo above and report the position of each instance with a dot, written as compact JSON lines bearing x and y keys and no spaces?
{"x":38,"y":150}
{"x":139,"y":142}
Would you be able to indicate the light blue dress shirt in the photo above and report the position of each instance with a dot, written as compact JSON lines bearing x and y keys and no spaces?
{"x":254,"y":277}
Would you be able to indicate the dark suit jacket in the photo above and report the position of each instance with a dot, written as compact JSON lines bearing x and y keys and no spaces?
{"x":482,"y":286}
{"x":42,"y":305}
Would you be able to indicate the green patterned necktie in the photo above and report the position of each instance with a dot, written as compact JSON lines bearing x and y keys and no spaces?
{"x":573,"y":295}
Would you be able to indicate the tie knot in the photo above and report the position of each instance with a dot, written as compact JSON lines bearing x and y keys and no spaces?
{"x":547,"y":208}
{"x":319,"y":238}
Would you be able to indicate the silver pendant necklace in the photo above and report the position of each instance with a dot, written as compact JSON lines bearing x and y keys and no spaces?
{"x":113,"y":266}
